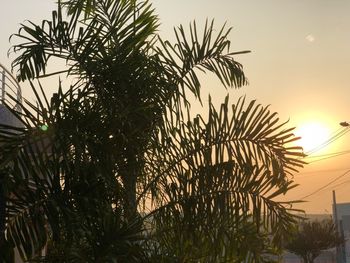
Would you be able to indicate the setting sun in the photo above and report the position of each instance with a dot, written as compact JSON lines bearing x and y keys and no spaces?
{"x":314,"y":136}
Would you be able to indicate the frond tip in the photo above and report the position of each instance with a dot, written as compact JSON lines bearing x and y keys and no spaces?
{"x":208,"y":52}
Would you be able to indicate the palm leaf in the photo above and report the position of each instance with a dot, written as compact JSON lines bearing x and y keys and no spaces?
{"x":111,"y":29}
{"x":192,"y":52}
{"x":224,"y":170}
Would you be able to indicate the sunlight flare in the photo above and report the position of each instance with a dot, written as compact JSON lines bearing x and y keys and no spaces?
{"x":314,"y":136}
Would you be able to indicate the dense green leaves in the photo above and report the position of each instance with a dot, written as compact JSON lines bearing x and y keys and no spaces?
{"x":123,"y":173}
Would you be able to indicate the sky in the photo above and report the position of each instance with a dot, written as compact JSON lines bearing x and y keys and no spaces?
{"x":299,"y":65}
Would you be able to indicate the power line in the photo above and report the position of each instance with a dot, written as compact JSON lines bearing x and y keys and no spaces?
{"x":337,"y":186}
{"x":316,"y":172}
{"x":340,"y":184}
{"x":336,"y":135}
{"x":329,"y":157}
{"x":327,"y":154}
{"x":326,"y":185}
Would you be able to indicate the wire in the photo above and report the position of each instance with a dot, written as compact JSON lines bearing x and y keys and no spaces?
{"x":331,"y":138}
{"x":327,"y":154}
{"x":336,"y":135}
{"x":337,"y":186}
{"x":317,"y":172}
{"x":326,"y":185}
{"x":329,"y":157}
{"x":340,"y":184}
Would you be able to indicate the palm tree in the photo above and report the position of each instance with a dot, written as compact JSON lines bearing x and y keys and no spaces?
{"x":115,"y":167}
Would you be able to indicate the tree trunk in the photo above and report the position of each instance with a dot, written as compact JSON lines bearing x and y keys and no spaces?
{"x":129,"y":178}
{"x":308,"y":258}
{"x":130,"y":195}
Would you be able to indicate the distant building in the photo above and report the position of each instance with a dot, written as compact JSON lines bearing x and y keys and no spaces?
{"x":341,"y":215}
{"x":9,"y":85}
{"x":10,"y":94}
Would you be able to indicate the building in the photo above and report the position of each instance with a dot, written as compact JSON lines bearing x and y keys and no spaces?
{"x":341,"y":215}
{"x":10,"y":97}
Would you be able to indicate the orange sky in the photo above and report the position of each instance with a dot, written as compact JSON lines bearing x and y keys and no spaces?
{"x":300,"y":63}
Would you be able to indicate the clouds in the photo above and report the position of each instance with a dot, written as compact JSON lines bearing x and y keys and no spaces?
{"x":310,"y":38}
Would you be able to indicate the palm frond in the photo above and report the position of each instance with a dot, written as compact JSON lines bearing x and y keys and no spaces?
{"x":231,"y":167}
{"x":110,"y":30}
{"x":208,"y":52}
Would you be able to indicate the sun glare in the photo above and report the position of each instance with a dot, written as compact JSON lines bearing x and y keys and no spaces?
{"x":314,"y":136}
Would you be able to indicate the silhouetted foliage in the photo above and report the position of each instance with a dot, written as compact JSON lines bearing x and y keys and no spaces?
{"x":124,"y":173}
{"x":312,"y":237}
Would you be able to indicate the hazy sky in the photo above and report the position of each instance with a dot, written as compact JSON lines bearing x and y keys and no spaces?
{"x":300,"y":64}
